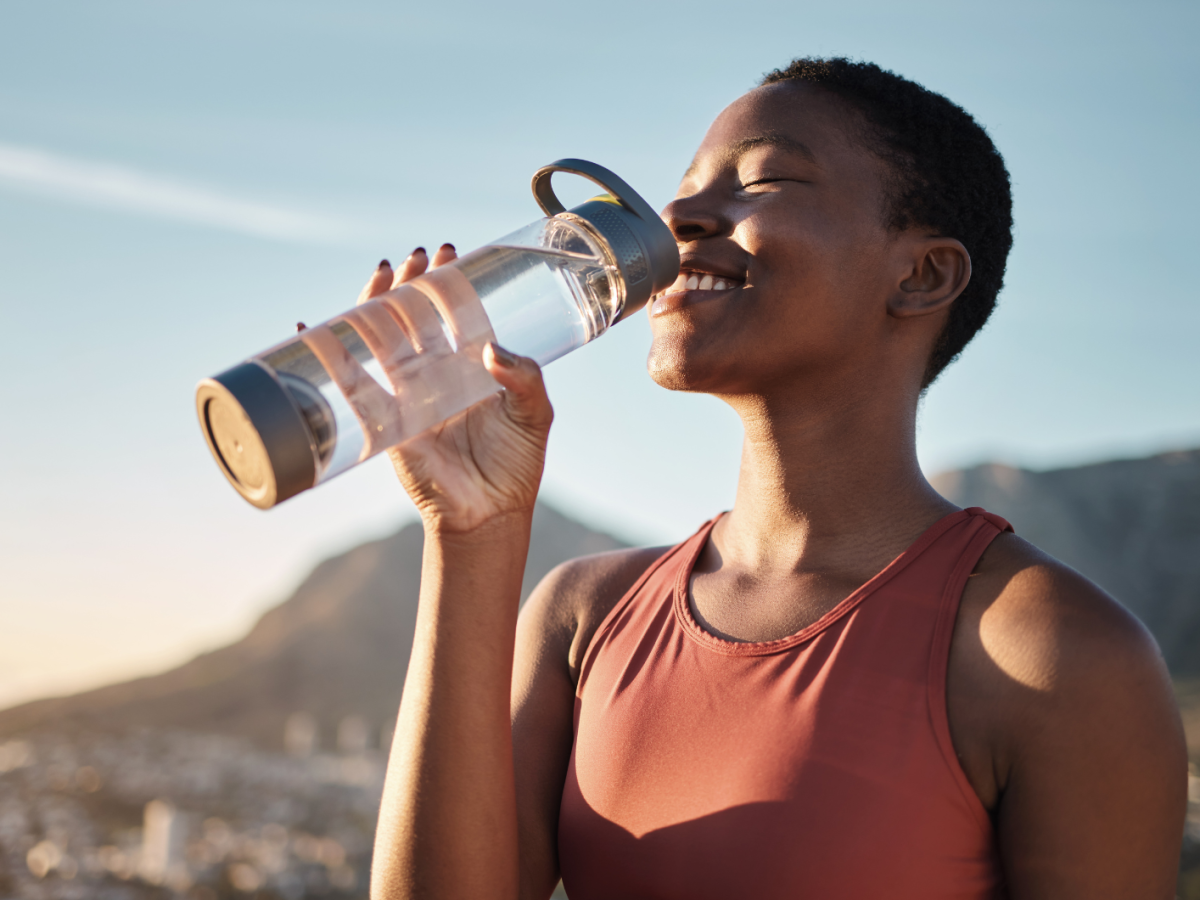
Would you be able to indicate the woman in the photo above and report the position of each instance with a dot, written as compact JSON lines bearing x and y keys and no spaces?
{"x":843,"y":687}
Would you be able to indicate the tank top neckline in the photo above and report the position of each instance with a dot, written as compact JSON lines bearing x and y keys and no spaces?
{"x":695,"y":631}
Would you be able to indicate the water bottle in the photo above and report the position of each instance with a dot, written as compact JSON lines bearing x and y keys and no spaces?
{"x":334,"y":395}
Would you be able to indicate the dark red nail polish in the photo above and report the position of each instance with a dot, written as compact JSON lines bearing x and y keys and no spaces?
{"x":418,"y":250}
{"x":450,"y":247}
{"x":300,"y":326}
{"x":503,"y":357}
{"x":384,"y":262}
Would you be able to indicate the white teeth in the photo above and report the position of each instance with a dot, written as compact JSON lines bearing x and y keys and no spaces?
{"x":697,"y":281}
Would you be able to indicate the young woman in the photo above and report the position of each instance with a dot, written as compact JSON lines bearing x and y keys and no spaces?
{"x":844,"y":687}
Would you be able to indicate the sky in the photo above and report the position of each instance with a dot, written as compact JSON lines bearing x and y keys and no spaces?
{"x":181,"y":183}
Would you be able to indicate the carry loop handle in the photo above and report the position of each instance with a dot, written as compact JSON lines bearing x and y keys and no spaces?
{"x":543,"y":192}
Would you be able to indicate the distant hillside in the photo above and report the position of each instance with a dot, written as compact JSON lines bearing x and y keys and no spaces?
{"x":338,"y":646}
{"x":1132,"y":526}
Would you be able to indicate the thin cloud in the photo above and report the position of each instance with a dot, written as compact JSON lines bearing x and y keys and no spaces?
{"x":120,"y":187}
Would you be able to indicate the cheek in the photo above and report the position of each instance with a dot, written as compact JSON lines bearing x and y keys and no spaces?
{"x":816,"y":279}
{"x":812,"y":302}
{"x":796,"y":285}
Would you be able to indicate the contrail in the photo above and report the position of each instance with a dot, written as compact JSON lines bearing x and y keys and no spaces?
{"x":120,"y":187}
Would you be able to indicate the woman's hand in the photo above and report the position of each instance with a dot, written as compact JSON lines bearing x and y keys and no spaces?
{"x":486,"y":462}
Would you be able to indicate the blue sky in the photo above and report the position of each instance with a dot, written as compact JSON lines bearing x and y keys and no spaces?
{"x":180,"y":183}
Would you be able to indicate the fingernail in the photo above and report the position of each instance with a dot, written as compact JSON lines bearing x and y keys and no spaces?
{"x":384,"y":262}
{"x":503,"y":357}
{"x":418,"y":250}
{"x":300,"y":326}
{"x":449,"y":247}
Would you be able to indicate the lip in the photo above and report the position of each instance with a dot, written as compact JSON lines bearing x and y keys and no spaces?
{"x":702,"y":264}
{"x":675,"y":300}
{"x":710,"y":264}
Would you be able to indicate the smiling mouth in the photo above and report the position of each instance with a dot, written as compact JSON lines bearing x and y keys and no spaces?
{"x":693,"y":287}
{"x":701,"y":281}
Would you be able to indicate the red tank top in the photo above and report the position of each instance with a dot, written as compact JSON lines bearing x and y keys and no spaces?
{"x":815,"y":766}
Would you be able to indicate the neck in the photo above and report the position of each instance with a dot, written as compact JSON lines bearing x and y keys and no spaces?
{"x":832,"y":485}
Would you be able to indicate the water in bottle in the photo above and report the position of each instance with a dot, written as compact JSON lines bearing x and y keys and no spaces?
{"x":336,"y":394}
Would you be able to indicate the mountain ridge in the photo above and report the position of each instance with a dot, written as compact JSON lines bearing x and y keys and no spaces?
{"x":339,"y":645}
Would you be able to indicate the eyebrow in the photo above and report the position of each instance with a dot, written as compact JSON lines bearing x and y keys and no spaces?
{"x":733,"y":154}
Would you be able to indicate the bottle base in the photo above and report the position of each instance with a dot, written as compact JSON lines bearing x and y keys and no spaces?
{"x":256,"y":434}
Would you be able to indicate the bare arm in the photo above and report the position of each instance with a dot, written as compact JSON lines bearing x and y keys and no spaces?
{"x":1064,"y":718}
{"x":447,"y":824}
{"x":448,"y":820}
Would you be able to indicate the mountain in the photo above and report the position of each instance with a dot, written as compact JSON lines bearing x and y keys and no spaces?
{"x":1131,"y":526}
{"x":337,"y":647}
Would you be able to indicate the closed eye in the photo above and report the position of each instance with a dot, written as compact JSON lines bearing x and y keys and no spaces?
{"x":764,"y":181}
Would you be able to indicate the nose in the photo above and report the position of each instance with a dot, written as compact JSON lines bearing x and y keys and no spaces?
{"x":694,"y":217}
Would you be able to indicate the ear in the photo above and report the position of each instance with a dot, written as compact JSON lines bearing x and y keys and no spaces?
{"x":936,"y":272}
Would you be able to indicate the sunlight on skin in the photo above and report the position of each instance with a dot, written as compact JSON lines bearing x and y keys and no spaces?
{"x":1031,"y":653}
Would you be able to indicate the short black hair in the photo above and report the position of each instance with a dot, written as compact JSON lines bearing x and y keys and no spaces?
{"x":950,"y":177}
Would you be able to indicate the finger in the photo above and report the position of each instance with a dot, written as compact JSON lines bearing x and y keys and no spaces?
{"x":380,"y":281}
{"x":444,"y":254}
{"x":415,"y":263}
{"x":524,"y":390}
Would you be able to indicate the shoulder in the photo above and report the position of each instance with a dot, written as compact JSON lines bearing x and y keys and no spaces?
{"x":568,"y":605}
{"x":1048,"y":628}
{"x":1045,"y":663}
{"x":1062,"y":715}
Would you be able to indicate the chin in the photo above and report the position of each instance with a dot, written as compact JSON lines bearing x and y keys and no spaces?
{"x":669,"y":377}
{"x":677,"y":366}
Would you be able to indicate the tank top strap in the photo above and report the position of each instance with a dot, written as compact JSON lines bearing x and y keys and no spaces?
{"x":997,"y":521}
{"x":681,"y":553}
{"x":975,"y":536}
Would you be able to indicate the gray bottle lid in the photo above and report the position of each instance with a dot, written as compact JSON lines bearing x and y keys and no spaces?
{"x":640,"y":240}
{"x":257,"y":434}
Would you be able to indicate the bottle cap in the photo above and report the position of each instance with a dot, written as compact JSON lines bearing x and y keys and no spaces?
{"x":257,"y":434}
{"x":640,"y":240}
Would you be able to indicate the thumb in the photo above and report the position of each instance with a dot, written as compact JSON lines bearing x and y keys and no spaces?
{"x":524,"y":390}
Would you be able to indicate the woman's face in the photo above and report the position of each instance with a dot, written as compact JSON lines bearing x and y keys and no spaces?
{"x":787,"y":262}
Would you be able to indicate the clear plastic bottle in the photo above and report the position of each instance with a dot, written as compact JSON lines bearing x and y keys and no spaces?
{"x":336,"y":394}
